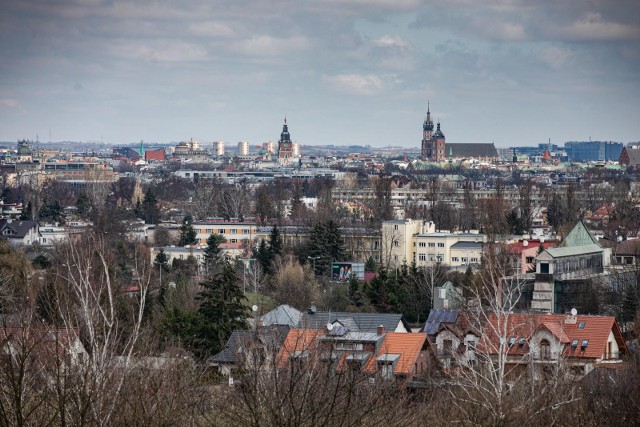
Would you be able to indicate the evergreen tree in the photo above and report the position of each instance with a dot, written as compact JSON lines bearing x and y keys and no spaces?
{"x":52,"y":211}
{"x":263,"y":255}
{"x":83,"y":205}
{"x":275,"y":243}
{"x":213,"y":253}
{"x":162,"y":259}
{"x":222,"y":310}
{"x":150,"y":210}
{"x":371,"y":265}
{"x":326,"y":245}
{"x":187,"y":232}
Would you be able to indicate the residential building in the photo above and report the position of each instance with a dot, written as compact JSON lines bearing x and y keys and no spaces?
{"x":20,"y":232}
{"x":524,"y":252}
{"x":355,"y":322}
{"x":233,"y":230}
{"x":538,"y":343}
{"x":452,"y":338}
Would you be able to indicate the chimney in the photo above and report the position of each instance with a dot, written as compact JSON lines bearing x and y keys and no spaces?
{"x":380,"y":330}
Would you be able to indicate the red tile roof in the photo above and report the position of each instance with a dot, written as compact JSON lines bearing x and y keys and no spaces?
{"x":519,"y":247}
{"x":298,"y":340}
{"x":408,"y":346}
{"x":596,"y":329}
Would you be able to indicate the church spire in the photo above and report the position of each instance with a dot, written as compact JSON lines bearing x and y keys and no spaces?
{"x":428,"y":123}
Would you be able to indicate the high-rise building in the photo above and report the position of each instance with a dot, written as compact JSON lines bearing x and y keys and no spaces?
{"x":243,"y":148}
{"x":433,"y":144}
{"x":593,"y":151}
{"x":219,"y":148}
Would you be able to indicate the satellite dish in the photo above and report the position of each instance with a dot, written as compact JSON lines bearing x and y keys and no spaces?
{"x":254,"y":308}
{"x":329,"y":326}
{"x":574,"y":311}
{"x":313,"y":309}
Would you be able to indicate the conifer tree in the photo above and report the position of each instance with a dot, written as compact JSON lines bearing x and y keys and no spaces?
{"x":187,"y":232}
{"x":213,"y":253}
{"x":275,"y":243}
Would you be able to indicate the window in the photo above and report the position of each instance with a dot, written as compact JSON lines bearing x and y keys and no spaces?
{"x":432,"y":245}
{"x":574,"y":344}
{"x":529,"y":260}
{"x":422,"y":244}
{"x":521,"y":342}
{"x":441,"y":245}
{"x":512,"y":341}
{"x":581,"y":325}
{"x":386,"y":371}
{"x":583,"y":347}
{"x":474,"y":259}
{"x":464,"y":259}
{"x":245,"y":231}
{"x":221,"y":231}
{"x":234,"y":240}
{"x":395,"y":227}
{"x":396,"y":243}
{"x":545,"y":350}
{"x":422,"y":257}
{"x":234,"y":231}
{"x":455,"y":259}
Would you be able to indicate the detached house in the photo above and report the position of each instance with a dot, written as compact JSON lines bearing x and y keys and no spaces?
{"x":537,"y":343}
{"x":19,"y":233}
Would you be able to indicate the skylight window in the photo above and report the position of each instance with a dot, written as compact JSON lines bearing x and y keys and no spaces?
{"x":581,"y":325}
{"x":512,"y":341}
{"x":520,"y":342}
{"x":574,"y":343}
{"x":584,"y":344}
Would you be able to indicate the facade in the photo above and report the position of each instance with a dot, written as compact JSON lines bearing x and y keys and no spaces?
{"x":417,"y":241}
{"x":218,"y":147}
{"x":593,"y":151}
{"x":234,"y":230}
{"x":285,"y":146}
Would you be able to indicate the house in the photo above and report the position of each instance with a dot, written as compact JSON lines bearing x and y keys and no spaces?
{"x":523,"y":253}
{"x":379,"y":355}
{"x":282,"y":315}
{"x":254,"y":349}
{"x":48,"y":345}
{"x":452,"y":338}
{"x":19,"y":232}
{"x":535,"y":342}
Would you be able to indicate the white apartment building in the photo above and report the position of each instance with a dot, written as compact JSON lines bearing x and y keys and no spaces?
{"x":417,"y":241}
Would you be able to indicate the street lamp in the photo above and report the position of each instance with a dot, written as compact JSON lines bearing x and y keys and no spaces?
{"x":314,"y":258}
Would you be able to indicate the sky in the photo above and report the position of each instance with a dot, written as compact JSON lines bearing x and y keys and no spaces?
{"x":343,"y":72}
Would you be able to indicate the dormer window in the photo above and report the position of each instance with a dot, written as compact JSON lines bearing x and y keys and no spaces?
{"x":581,"y":325}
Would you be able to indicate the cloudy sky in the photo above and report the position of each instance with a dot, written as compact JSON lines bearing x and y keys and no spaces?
{"x":515,"y":72}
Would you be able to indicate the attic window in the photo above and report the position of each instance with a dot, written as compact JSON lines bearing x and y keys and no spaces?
{"x":512,"y":341}
{"x":581,"y":325}
{"x":584,"y":345}
{"x":520,"y":342}
{"x":574,"y":344}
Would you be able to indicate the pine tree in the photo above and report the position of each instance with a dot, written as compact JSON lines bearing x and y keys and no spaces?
{"x":213,"y":253}
{"x":263,"y":255}
{"x":162,"y":259}
{"x":275,"y":243}
{"x":187,"y":232}
{"x":222,"y":310}
{"x":150,"y":210}
{"x":326,"y":245}
{"x":83,"y":205}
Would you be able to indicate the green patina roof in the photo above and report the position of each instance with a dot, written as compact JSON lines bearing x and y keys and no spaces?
{"x":579,"y":236}
{"x":566,"y":251}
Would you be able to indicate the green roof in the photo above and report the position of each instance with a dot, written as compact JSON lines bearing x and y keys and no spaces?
{"x":560,"y":251}
{"x":580,"y":236}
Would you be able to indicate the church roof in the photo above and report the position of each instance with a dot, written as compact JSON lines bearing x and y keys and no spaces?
{"x":471,"y":149}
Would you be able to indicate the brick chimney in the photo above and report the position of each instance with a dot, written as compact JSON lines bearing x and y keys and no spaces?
{"x":380,"y":330}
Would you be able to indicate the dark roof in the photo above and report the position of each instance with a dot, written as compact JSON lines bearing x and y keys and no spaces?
{"x":19,"y":228}
{"x":271,"y":336}
{"x":471,"y":150}
{"x":356,"y":322}
{"x":436,"y":317}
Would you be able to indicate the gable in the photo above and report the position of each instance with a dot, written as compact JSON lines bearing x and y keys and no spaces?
{"x":579,"y":236}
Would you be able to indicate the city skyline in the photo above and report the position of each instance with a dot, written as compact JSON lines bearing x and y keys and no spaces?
{"x":343,"y":71}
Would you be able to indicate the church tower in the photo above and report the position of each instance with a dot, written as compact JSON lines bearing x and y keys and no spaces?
{"x":285,"y":146}
{"x":438,"y":145}
{"x":427,"y":133}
